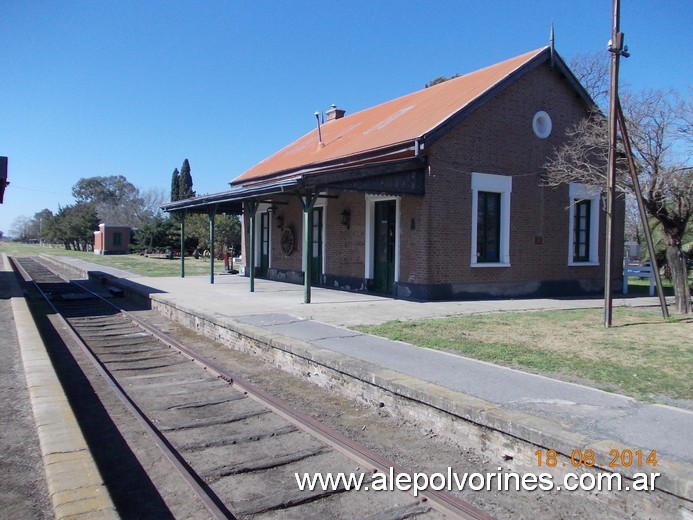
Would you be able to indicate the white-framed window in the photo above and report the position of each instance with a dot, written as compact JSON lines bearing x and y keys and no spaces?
{"x":491,"y":220}
{"x":583,"y":225}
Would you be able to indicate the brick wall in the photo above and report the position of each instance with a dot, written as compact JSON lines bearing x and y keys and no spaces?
{"x":98,"y":241}
{"x":293,"y":219}
{"x":498,"y":139}
{"x":345,"y":248}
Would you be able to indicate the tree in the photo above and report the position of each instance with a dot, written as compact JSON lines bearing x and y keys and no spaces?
{"x":83,"y":221}
{"x":592,"y":71}
{"x":227,"y":232}
{"x":151,"y":201}
{"x":117,"y":201}
{"x":25,"y":228}
{"x":159,"y":233}
{"x":175,"y":186}
{"x":103,"y":190}
{"x":38,"y":221}
{"x":659,"y":127}
{"x":441,"y":79}
{"x":660,"y":243}
{"x":21,"y":227}
{"x":74,"y":226}
{"x":186,"y":183}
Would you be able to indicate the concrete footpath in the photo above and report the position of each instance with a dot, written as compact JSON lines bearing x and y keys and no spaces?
{"x":517,"y":403}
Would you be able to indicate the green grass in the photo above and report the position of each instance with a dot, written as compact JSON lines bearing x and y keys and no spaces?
{"x":642,"y":355}
{"x":133,"y":263}
{"x":641,"y":287}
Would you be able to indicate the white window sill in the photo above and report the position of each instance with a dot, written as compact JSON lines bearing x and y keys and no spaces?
{"x":489,"y":264}
{"x":583,"y":264}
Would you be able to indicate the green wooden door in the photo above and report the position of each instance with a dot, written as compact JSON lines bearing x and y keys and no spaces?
{"x":264,"y":243}
{"x":316,"y":247}
{"x":384,"y":246}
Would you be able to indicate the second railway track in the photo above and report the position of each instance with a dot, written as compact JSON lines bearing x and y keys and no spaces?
{"x":238,"y":447}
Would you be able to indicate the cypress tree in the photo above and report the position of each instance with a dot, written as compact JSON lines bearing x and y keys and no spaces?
{"x":175,"y":186}
{"x":186,"y":182}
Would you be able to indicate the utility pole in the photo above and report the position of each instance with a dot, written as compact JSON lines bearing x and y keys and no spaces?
{"x":616,"y":49}
{"x":641,"y":209}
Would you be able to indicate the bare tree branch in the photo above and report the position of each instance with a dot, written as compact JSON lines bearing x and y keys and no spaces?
{"x":592,"y":70}
{"x":660,"y":127}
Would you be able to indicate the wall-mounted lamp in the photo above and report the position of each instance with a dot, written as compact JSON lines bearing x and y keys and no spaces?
{"x":346,"y":218}
{"x":280,"y":221}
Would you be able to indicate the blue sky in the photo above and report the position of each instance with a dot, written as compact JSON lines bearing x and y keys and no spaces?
{"x":132,"y":88}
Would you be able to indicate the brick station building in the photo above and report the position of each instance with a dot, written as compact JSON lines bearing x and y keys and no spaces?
{"x":434,"y":195}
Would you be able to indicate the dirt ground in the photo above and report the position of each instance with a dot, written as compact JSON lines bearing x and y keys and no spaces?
{"x":23,"y":490}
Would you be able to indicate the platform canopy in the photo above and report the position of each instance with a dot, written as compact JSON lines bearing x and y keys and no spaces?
{"x":393,"y":177}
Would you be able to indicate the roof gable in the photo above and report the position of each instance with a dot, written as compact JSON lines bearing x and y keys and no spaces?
{"x":385,"y":130}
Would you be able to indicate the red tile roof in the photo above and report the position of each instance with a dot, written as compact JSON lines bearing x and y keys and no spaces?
{"x":379,"y":128}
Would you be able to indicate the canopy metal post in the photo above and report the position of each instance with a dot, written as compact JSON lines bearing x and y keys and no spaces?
{"x":308,"y":204}
{"x":182,"y":244}
{"x":251,"y":209}
{"x":212,"y":213}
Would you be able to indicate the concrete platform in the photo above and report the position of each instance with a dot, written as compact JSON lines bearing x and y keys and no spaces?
{"x":536,"y":410}
{"x":74,"y":483}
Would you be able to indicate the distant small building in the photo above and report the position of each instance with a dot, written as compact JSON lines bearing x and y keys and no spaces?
{"x":112,"y":240}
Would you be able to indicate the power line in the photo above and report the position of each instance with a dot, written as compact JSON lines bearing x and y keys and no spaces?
{"x":15,"y":187}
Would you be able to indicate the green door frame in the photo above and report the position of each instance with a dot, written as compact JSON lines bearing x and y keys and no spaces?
{"x":317,"y":245}
{"x":384,"y":244}
{"x":265,"y":220}
{"x":251,"y":210}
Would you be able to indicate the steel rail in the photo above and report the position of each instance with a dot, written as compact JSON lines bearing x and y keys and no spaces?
{"x":213,"y":504}
{"x":444,"y":502}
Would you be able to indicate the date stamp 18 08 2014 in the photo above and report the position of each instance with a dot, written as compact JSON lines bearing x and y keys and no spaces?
{"x":587,"y":458}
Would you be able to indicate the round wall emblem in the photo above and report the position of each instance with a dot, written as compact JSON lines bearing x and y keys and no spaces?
{"x":287,"y":241}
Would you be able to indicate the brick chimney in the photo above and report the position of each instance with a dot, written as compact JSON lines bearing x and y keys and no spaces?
{"x":334,"y":113}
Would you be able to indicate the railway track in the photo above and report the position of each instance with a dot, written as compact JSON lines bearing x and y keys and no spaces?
{"x":238,"y":448}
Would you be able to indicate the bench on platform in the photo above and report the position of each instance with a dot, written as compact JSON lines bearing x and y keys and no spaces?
{"x":639,"y":270}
